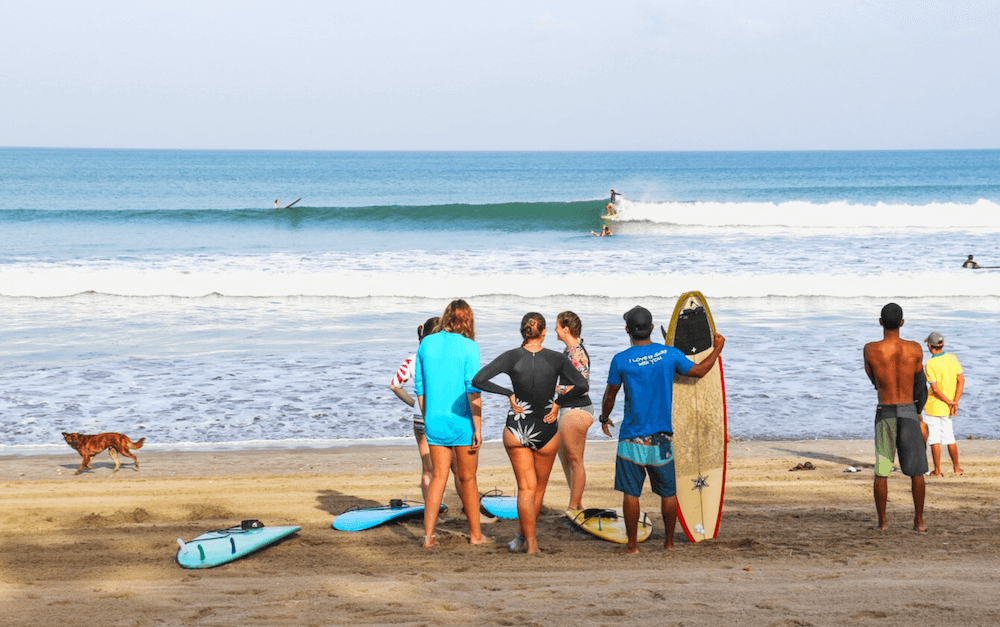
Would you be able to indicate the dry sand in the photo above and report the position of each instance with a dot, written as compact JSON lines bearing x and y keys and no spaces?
{"x":795,"y":548}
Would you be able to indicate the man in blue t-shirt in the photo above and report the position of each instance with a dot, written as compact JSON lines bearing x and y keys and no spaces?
{"x":644,"y":441}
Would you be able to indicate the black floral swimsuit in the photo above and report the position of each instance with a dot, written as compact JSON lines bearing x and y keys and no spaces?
{"x":534,"y":377}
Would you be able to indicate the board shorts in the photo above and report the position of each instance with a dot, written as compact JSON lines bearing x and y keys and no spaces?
{"x":562,"y":412}
{"x":940,"y":430}
{"x":651,"y":455}
{"x":897,"y":429}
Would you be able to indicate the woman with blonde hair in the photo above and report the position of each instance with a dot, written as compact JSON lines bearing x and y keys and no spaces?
{"x":532,"y":434}
{"x":452,"y":409}
{"x":577,"y":415}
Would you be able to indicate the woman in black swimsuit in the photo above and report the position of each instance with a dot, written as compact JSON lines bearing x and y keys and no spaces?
{"x":532,"y":433}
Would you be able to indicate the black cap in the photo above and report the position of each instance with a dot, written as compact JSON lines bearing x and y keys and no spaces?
{"x":638,"y":318}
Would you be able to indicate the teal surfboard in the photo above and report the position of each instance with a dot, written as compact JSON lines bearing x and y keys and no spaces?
{"x":495,"y":504}
{"x":368,"y":517}
{"x":225,"y":545}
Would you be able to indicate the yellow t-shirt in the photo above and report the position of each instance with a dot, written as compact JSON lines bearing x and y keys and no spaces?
{"x":942,"y":369}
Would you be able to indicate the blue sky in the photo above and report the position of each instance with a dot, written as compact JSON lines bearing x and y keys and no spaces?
{"x":668,"y":75}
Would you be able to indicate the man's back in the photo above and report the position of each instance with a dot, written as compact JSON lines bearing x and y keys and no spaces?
{"x":647,"y":372}
{"x":891,"y":364}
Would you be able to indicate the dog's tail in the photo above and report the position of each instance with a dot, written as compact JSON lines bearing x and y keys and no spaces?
{"x":136,"y":444}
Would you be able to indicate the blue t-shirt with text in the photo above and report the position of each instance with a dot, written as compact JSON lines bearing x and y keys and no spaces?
{"x":647,"y":374}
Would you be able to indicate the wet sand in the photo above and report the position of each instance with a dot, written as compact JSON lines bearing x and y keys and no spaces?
{"x":795,"y":548}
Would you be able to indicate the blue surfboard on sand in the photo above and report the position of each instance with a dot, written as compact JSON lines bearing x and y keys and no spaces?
{"x":225,"y":545}
{"x":496,"y":505}
{"x":368,"y":517}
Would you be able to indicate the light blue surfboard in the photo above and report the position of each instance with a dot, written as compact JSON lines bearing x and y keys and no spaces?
{"x":225,"y":545}
{"x":495,"y":504}
{"x":368,"y":517}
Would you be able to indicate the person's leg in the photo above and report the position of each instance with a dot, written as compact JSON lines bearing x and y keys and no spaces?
{"x":441,"y":461}
{"x":885,"y":454}
{"x":881,"y":497}
{"x":917,"y":487}
{"x":564,"y":462}
{"x":936,"y":458}
{"x":933,"y":439}
{"x":544,"y":458}
{"x":630,"y":507}
{"x":467,"y":461}
{"x":455,"y":473}
{"x":948,"y":439}
{"x":953,"y":452}
{"x":425,"y":460}
{"x":668,"y":507}
{"x":572,"y":442}
{"x":522,"y":460}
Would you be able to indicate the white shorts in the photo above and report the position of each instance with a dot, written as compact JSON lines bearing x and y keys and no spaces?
{"x":939,"y":430}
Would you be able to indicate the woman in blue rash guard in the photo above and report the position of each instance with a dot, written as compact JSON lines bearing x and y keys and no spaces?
{"x":452,"y":409}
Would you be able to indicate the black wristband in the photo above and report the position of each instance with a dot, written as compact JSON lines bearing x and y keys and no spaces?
{"x":605,"y":420}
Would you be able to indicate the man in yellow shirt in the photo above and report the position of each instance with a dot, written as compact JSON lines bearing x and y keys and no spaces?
{"x":944,"y":374}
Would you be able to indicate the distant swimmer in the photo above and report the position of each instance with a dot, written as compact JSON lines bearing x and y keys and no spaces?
{"x":605,"y":232}
{"x":969,"y":263}
{"x":276,"y":204}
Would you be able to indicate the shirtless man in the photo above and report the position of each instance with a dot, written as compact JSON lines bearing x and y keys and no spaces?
{"x":892,"y":365}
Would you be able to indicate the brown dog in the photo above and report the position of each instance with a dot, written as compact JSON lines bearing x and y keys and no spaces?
{"x":90,"y":445}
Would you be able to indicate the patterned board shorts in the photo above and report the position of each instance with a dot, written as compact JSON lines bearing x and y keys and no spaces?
{"x":651,"y":455}
{"x":897,"y":429}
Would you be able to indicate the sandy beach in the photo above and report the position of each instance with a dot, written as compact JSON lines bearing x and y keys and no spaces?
{"x":795,"y":548}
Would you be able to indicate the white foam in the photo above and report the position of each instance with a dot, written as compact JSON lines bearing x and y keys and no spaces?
{"x":840,"y":216}
{"x":341,"y":281}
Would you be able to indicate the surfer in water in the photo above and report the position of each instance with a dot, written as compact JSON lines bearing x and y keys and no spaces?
{"x":969,"y":263}
{"x":605,"y":232}
{"x":276,"y":204}
{"x":895,"y":367}
{"x":614,"y":194}
{"x":645,"y":445}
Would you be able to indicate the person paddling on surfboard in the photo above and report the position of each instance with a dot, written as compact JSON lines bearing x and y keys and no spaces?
{"x":969,"y":263}
{"x":645,"y":447}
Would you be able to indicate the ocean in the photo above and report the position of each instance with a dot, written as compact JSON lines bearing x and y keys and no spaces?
{"x":160,"y":294}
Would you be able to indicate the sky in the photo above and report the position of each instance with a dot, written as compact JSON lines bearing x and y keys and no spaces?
{"x":501,"y":75}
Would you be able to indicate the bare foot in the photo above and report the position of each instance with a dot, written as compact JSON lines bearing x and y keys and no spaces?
{"x":625,"y":550}
{"x":480,"y":540}
{"x":668,"y":544}
{"x":936,"y":473}
{"x":429,"y":542}
{"x":921,"y":528}
{"x":959,"y":472}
